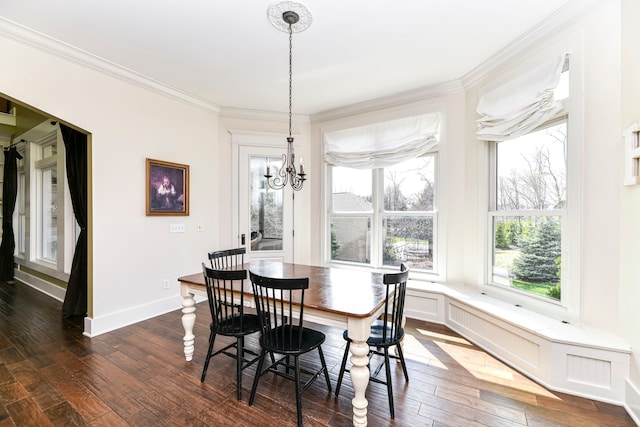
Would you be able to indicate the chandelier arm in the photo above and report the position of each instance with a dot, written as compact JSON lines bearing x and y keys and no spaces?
{"x":281,"y":179}
{"x":297,"y":184}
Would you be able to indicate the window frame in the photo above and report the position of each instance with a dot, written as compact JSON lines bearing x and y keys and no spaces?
{"x":376,"y":217}
{"x":29,"y":203}
{"x":567,"y":309}
{"x":494,"y":212}
{"x":41,"y":166}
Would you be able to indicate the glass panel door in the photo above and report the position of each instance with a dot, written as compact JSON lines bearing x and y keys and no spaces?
{"x":266,"y":206}
{"x":264,"y":214}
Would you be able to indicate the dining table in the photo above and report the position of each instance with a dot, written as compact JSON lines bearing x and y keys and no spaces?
{"x":343,"y":297}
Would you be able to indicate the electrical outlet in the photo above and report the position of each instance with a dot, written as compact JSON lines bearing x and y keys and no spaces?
{"x":165,"y":284}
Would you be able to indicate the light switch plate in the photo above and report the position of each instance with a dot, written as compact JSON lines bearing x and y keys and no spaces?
{"x":176,"y":228}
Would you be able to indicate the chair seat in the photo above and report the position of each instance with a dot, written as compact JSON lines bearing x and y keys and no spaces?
{"x":288,"y":344}
{"x":231,"y":326}
{"x":376,"y":337}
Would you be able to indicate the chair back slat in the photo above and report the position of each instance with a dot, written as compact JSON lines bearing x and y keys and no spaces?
{"x":281,"y":328}
{"x":396,"y":284}
{"x":225,"y":297}
{"x":228,"y":259}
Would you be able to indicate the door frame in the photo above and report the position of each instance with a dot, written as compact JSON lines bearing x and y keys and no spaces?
{"x":261,"y":141}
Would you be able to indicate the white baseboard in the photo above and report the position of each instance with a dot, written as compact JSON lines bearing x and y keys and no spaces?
{"x":94,"y":326}
{"x":55,"y":292}
{"x":632,"y":402}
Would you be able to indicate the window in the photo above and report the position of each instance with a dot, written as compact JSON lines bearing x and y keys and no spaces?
{"x":384,"y":216}
{"x":526,"y":123}
{"x":527,"y":211}
{"x":46,"y":229}
{"x":46,"y":168}
{"x":20,"y":230}
{"x":267,"y":206}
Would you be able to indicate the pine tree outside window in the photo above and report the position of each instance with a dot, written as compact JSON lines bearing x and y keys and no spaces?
{"x":527,"y":210}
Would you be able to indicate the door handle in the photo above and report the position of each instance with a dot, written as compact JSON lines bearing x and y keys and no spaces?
{"x":242,"y":239}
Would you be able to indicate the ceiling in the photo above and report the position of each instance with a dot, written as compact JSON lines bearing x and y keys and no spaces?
{"x":227,"y":53}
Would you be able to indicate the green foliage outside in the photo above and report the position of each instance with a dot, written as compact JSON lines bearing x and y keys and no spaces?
{"x":538,"y":254}
{"x":389,"y":251}
{"x":531,"y":253}
{"x":335,"y":244}
{"x":554,"y":292}
{"x":509,"y":233}
{"x":537,"y":288}
{"x":502,"y":234}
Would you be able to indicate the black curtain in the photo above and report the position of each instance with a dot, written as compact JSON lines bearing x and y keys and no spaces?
{"x":75,"y":144}
{"x":9,"y":194}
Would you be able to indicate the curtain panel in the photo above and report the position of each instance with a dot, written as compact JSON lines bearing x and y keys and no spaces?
{"x":9,"y":193}
{"x":522,"y":104}
{"x":382,"y":144}
{"x":75,"y":144}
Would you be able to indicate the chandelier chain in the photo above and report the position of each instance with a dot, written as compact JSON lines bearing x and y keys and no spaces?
{"x":290,"y":75}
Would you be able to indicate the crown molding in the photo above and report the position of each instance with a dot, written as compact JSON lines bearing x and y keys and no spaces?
{"x":271,"y":116}
{"x":552,"y":25}
{"x":556,"y":22}
{"x":55,"y":47}
{"x":403,"y":98}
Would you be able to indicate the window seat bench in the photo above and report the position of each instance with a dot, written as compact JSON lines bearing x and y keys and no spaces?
{"x":564,"y":357}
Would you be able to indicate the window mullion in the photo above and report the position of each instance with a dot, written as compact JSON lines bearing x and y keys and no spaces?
{"x":377,"y":239}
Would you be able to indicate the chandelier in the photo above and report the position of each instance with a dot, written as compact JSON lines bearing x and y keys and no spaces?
{"x":291,"y":17}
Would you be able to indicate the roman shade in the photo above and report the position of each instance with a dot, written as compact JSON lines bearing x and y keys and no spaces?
{"x":382,"y":144}
{"x":522,"y":104}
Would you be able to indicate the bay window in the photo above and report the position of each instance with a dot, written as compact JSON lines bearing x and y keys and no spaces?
{"x":381,"y":207}
{"x":527,"y":211}
{"x":526,"y":124}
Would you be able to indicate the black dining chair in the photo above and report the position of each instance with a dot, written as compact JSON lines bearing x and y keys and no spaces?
{"x":385,"y":332}
{"x":227,"y":259}
{"x":226,"y":303}
{"x":283,"y":333}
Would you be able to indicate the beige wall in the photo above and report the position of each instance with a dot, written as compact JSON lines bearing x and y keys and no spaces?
{"x":630,"y":196}
{"x":132,"y":253}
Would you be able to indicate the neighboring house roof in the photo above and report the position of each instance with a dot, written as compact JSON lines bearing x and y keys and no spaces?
{"x":349,"y":202}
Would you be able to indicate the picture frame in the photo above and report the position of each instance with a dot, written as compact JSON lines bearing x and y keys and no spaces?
{"x":167,"y":188}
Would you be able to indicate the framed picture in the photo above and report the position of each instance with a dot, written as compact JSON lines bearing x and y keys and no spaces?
{"x":167,"y":188}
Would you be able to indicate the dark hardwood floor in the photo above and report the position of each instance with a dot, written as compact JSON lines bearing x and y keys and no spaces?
{"x":50,"y":374}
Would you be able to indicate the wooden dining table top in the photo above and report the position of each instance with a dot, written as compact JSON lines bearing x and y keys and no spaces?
{"x":343,"y":291}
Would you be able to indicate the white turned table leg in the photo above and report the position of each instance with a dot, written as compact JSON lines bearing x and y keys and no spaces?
{"x":188,"y":321}
{"x":359,"y":333}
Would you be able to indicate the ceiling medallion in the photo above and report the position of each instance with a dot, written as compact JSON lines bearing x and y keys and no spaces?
{"x":276,"y":11}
